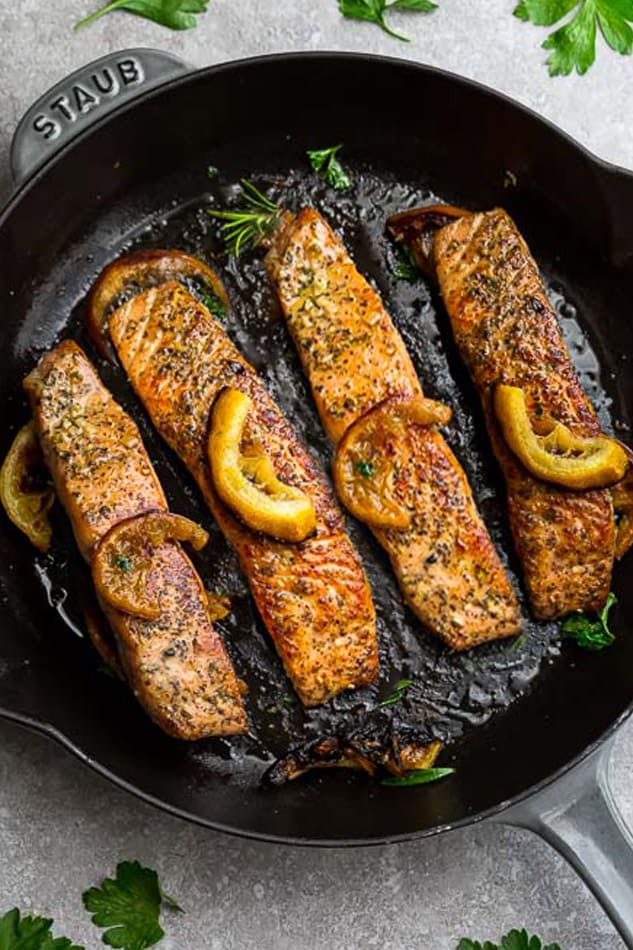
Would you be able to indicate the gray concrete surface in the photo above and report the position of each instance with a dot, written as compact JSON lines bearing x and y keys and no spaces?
{"x":61,"y":827}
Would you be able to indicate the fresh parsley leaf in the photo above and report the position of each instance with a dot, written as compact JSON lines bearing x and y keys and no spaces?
{"x":325,"y":163}
{"x":405,"y":267}
{"x":416,"y":777}
{"x":514,"y":940}
{"x":212,"y":302}
{"x":396,"y":695}
{"x":129,"y":906}
{"x":174,"y":14}
{"x":123,"y":563}
{"x":374,"y":11}
{"x":573,"y":45}
{"x":366,"y":469}
{"x":591,"y":631}
{"x":30,"y":933}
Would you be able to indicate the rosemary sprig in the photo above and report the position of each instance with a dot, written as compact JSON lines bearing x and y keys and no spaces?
{"x":248,"y":225}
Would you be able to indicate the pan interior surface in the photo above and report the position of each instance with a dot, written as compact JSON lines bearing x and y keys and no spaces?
{"x":511,"y":713}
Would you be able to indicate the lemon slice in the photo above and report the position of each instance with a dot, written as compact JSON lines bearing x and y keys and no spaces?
{"x":122,"y":559}
{"x":557,"y":455}
{"x":25,"y":502}
{"x":132,"y":273}
{"x":247,"y":483}
{"x":372,"y":451}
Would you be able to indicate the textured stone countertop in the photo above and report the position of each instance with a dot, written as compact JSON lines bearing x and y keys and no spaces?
{"x":61,"y":827}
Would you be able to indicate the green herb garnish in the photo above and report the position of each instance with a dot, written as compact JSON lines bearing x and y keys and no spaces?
{"x":374,"y":11}
{"x":212,"y":171}
{"x":123,"y":563}
{"x":573,"y":45}
{"x":174,"y":14}
{"x":397,"y":693}
{"x":366,"y":469}
{"x":416,"y":777}
{"x":213,"y":303}
{"x":514,"y":940}
{"x":405,"y":267}
{"x":129,"y":906}
{"x":30,"y":933}
{"x":591,"y":631}
{"x":247,"y":226}
{"x":325,"y":163}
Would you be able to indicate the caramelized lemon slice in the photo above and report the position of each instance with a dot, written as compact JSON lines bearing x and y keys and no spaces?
{"x":132,"y":273}
{"x":368,"y":458}
{"x":247,"y":483}
{"x":23,"y":498}
{"x":122,"y":559}
{"x":557,"y":455}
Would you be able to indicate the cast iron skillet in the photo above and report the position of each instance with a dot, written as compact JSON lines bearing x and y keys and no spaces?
{"x":529,"y":749}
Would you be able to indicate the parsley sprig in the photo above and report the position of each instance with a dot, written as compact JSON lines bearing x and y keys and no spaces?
{"x":591,"y":631}
{"x":374,"y":11}
{"x":129,"y":906}
{"x":325,"y":163}
{"x":514,"y":940}
{"x":248,"y":225}
{"x":174,"y":14}
{"x":573,"y":45}
{"x":30,"y":933}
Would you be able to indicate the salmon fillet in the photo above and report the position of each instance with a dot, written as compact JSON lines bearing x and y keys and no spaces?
{"x":445,"y":563}
{"x":177,"y":665}
{"x":506,"y":331}
{"x":313,"y":597}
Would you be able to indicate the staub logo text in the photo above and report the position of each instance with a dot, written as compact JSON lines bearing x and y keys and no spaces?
{"x":86,"y":94}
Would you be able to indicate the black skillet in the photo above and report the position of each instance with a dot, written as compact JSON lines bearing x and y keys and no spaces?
{"x":530,"y":728}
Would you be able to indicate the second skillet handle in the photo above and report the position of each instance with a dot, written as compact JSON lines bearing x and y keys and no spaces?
{"x":84,"y":97}
{"x":577,"y":815}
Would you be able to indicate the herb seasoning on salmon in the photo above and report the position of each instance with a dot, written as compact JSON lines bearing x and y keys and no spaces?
{"x":176,"y":665}
{"x":313,"y":595}
{"x":445,"y":562}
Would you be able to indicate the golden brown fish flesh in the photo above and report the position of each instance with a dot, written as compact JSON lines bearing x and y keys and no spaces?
{"x":445,"y":562}
{"x":506,"y":332}
{"x":313,"y":596}
{"x":176,"y":665}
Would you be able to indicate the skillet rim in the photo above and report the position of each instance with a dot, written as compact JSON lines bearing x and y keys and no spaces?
{"x":11,"y":206}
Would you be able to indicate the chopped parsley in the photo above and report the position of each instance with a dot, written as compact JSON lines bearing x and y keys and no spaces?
{"x":325,"y":163}
{"x":591,"y":631}
{"x":405,"y":267}
{"x":366,"y":469}
{"x":123,"y":563}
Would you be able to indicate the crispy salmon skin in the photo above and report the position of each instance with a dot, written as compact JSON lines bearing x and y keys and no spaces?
{"x":313,"y":596}
{"x":354,"y":357}
{"x":506,"y":331}
{"x":177,"y":665}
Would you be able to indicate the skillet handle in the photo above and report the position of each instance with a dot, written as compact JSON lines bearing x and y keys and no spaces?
{"x":82,"y":99}
{"x":578,"y":816}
